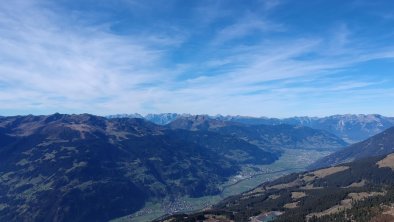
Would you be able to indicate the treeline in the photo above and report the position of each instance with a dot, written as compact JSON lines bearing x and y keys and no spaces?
{"x":363,"y":211}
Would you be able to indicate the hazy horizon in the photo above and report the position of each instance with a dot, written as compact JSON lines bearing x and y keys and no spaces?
{"x":205,"y":114}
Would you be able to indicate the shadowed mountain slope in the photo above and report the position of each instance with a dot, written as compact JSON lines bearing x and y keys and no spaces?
{"x":358,"y":191}
{"x":266,"y":136}
{"x":378,"y":145}
{"x":90,"y":168}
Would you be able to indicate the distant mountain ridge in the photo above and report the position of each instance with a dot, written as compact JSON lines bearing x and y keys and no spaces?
{"x":349,"y":127}
{"x":160,"y":119}
{"x":270,"y":137}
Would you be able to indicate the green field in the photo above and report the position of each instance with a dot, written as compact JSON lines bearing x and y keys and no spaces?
{"x":251,"y":176}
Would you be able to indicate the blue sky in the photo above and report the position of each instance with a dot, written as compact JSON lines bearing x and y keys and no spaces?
{"x":274,"y":58}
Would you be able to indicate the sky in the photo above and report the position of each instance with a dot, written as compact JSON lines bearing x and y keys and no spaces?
{"x":275,"y":58}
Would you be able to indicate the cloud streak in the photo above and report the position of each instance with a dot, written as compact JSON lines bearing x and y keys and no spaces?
{"x":53,"y":61}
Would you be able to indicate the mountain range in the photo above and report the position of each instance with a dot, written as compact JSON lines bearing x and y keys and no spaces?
{"x":89,"y":168}
{"x":351,"y":128}
{"x":268,"y":137}
{"x":53,"y":166}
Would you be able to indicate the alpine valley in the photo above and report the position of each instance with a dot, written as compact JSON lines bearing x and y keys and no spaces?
{"x":89,"y":168}
{"x":362,"y":191}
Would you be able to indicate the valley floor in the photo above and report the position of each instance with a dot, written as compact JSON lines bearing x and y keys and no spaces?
{"x":291,"y":161}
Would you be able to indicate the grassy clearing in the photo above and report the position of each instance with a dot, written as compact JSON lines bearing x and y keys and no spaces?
{"x":387,"y":162}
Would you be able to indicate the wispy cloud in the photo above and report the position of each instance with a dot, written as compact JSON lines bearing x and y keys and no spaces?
{"x":248,"y":25}
{"x":75,"y":64}
{"x":252,"y":64}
